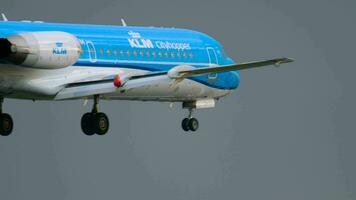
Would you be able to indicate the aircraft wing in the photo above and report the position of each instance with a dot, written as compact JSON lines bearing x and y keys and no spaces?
{"x":107,"y":85}
{"x":233,"y":67}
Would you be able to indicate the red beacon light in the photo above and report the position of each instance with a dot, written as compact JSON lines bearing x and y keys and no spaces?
{"x":117,"y":81}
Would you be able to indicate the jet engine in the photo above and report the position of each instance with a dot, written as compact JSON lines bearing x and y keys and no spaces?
{"x":42,"y":50}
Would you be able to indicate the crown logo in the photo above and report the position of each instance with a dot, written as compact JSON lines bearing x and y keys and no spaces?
{"x":134,"y":34}
{"x":59,"y":44}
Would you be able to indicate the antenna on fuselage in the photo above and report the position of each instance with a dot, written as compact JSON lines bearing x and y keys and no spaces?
{"x":4,"y":18}
{"x":123,"y":22}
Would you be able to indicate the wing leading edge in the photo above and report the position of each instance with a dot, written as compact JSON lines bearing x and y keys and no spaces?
{"x":233,"y":67}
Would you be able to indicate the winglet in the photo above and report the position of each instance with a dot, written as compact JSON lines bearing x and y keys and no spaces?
{"x":4,"y":17}
{"x":123,"y":22}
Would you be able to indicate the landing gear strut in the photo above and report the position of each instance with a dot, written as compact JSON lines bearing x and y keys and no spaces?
{"x":95,"y":122}
{"x":6,"y":123}
{"x":190,"y":123}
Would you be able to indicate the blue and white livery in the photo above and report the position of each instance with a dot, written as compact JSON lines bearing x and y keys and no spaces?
{"x":47,"y":61}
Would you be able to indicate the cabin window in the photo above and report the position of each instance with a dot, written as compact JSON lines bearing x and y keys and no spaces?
{"x":135,"y":53}
{"x":172,"y":54}
{"x":122,"y":52}
{"x":141,"y":53}
{"x":191,"y":55}
{"x":160,"y":54}
{"x":115,"y":52}
{"x":185,"y":55}
{"x":153,"y":53}
{"x":101,"y":52}
{"x":166,"y":54}
{"x":128,"y":53}
{"x":178,"y":54}
{"x":148,"y":54}
{"x":108,"y":52}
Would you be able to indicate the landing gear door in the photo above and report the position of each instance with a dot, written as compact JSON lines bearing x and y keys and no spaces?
{"x":213,"y":59}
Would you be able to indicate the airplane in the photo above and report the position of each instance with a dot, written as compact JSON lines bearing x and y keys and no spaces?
{"x":58,"y":61}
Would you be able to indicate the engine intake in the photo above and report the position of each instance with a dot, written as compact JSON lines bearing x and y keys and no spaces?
{"x":43,"y":50}
{"x":5,"y":48}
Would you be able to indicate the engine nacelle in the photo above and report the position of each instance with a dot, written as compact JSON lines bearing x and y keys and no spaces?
{"x":43,"y":50}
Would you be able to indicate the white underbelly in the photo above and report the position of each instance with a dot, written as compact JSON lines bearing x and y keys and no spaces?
{"x":170,"y":91}
{"x":27,"y":83}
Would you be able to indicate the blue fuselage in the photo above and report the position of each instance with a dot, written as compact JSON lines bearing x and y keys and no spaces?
{"x":145,"y":48}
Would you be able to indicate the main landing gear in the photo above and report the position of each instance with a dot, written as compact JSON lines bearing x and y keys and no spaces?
{"x":95,"y":122}
{"x":190,"y":123}
{"x":6,"y":123}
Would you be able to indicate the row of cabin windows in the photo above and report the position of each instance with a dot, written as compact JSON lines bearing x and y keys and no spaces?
{"x":141,"y":53}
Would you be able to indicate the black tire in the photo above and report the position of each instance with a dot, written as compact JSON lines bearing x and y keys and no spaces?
{"x":87,"y":124}
{"x":185,"y":124}
{"x":101,"y":123}
{"x":193,"y":124}
{"x":6,"y":124}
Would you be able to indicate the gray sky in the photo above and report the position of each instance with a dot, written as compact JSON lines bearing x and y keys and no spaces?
{"x":286,"y":133}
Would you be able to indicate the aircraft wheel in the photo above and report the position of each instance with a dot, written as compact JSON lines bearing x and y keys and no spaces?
{"x":6,"y":124}
{"x":87,"y":124}
{"x":193,"y":124}
{"x":185,"y":124}
{"x":100,"y":123}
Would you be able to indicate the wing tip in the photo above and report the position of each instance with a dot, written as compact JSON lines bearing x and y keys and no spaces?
{"x":287,"y":60}
{"x":283,"y":61}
